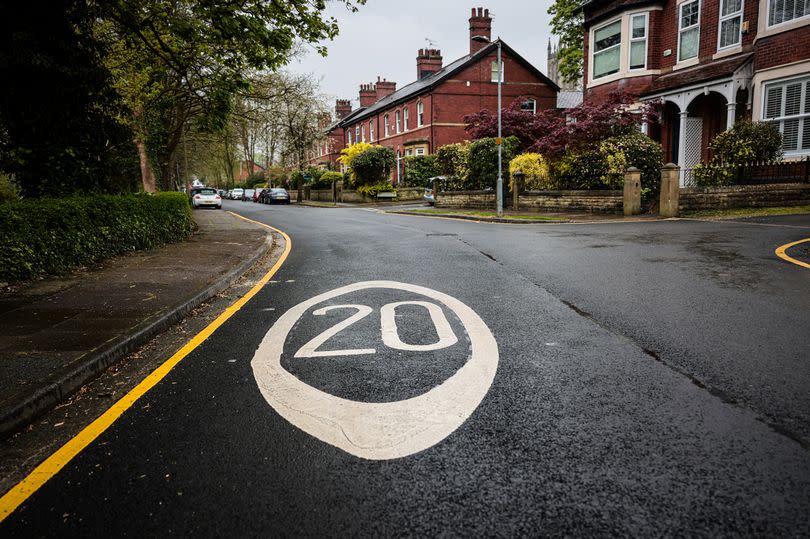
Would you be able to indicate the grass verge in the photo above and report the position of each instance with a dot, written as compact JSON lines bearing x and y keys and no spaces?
{"x":752,"y":212}
{"x":485,"y":214}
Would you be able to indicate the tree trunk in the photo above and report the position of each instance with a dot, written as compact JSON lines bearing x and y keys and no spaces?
{"x":147,"y":174}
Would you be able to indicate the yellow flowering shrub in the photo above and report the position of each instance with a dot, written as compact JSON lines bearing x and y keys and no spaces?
{"x":349,"y":153}
{"x":535,"y":170}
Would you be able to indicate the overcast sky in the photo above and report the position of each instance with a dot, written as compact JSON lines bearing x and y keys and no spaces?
{"x":383,"y":37}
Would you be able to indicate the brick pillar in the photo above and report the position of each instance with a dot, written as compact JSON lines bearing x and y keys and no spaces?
{"x":670,"y":190}
{"x":632,"y":191}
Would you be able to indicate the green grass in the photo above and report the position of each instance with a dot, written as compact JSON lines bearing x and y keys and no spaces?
{"x":490,"y":214}
{"x":752,"y":212}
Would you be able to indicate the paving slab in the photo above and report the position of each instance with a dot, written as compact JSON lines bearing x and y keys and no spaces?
{"x":59,"y":332}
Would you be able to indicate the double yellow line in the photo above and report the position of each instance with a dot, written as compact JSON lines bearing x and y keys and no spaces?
{"x":780,"y":252}
{"x":12,"y":499}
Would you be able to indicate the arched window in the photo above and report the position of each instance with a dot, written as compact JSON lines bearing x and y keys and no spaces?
{"x":529,"y":105}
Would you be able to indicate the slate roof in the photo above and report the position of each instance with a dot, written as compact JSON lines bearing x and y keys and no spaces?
{"x":698,"y":74}
{"x":568,"y":99}
{"x":423,"y":86}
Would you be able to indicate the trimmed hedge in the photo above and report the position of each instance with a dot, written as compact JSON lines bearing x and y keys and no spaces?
{"x":58,"y":234}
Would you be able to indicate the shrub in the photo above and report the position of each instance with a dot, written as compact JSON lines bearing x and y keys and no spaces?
{"x":326,"y":179}
{"x":418,"y":168}
{"x":55,"y":235}
{"x":372,"y":189}
{"x":748,"y":142}
{"x":482,"y":162}
{"x":712,"y":175}
{"x":637,"y":150}
{"x":451,"y":160}
{"x":296,"y":179}
{"x":535,"y":170}
{"x":314,"y":174}
{"x":581,"y":170}
{"x":9,"y":190}
{"x":350,"y":153}
{"x":373,"y":165}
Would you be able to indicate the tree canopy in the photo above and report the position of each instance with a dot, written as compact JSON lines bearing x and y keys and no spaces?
{"x":567,"y":24}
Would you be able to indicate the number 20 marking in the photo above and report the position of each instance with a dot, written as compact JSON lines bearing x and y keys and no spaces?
{"x":388,"y":326}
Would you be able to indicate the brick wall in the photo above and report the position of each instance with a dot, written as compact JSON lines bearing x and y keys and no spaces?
{"x":743,"y":196}
{"x":782,"y":48}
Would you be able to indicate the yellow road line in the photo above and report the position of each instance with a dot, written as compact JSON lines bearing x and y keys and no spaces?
{"x":780,"y":252}
{"x":12,"y":499}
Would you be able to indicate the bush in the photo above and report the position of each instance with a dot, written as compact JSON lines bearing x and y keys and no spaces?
{"x":748,"y":142}
{"x":418,"y":168}
{"x":373,"y":165}
{"x":9,"y":190}
{"x":580,"y":170}
{"x":712,"y":175}
{"x":371,"y":190}
{"x":637,"y":150}
{"x":296,"y":179}
{"x":534,"y":169}
{"x":56,"y":235}
{"x":314,"y":174}
{"x":326,"y":179}
{"x":451,"y":160}
{"x":349,"y":154}
{"x":482,"y":162}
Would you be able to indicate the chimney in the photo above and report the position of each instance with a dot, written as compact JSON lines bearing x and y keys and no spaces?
{"x":342,"y":108}
{"x":368,"y":95}
{"x":480,"y":25}
{"x":428,"y":61}
{"x":385,"y":88}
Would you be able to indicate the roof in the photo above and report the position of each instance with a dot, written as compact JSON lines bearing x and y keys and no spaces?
{"x":428,"y":83}
{"x":698,"y":74}
{"x":568,"y":99}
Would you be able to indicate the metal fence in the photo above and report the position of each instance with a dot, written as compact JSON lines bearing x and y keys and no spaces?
{"x":748,"y":174}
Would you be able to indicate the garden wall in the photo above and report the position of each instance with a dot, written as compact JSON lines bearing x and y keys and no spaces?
{"x":466,"y":199}
{"x":573,"y":201}
{"x":743,"y":196}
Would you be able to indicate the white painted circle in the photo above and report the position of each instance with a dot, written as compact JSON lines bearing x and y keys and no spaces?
{"x":378,"y":431}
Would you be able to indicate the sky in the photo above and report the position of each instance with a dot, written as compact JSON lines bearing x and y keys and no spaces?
{"x":383,"y":37}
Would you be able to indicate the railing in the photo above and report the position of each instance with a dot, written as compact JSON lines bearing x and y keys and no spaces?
{"x":748,"y":174}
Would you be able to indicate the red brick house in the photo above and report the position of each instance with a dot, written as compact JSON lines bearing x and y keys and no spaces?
{"x":710,"y":62}
{"x":326,"y":151}
{"x":429,"y":112}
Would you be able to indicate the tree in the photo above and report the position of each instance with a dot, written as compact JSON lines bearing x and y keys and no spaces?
{"x":567,"y":24}
{"x":527,"y":126}
{"x":373,"y":165}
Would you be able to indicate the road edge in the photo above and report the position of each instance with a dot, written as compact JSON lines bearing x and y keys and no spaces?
{"x":43,"y":400}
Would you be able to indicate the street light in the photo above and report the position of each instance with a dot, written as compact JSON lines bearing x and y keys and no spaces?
{"x":499,"y":185}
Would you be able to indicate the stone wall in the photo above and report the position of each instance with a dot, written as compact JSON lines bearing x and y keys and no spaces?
{"x":573,"y":201}
{"x":466,"y":199}
{"x":743,"y":196}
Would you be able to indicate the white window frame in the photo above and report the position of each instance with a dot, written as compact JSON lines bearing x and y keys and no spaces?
{"x":420,"y":114}
{"x":632,"y":40}
{"x":786,"y":21}
{"x":493,"y":76}
{"x":385,"y":125}
{"x":349,"y":132}
{"x":397,"y":120}
{"x":616,"y":46}
{"x":356,"y":133}
{"x":363,"y":133}
{"x":419,"y":151}
{"x":804,"y":118}
{"x":531,"y":100}
{"x":687,"y":29}
{"x":405,"y":119}
{"x":371,"y":130}
{"x":723,"y":18}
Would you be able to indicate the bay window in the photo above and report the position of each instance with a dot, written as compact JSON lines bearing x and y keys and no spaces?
{"x":688,"y":30}
{"x":730,"y":23}
{"x":607,"y":43}
{"x":787,"y":104}
{"x":780,"y":11}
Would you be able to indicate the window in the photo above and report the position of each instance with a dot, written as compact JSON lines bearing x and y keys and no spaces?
{"x":606,"y":49}
{"x":638,"y":41}
{"x":350,"y":137}
{"x":408,"y":152}
{"x":420,"y":114}
{"x":363,"y":133}
{"x":530,"y":105}
{"x":494,"y":77}
{"x":371,"y":131}
{"x":397,"y":120}
{"x":405,"y":118}
{"x":730,"y":23}
{"x":420,"y":151}
{"x":787,"y":104}
{"x":357,"y":133}
{"x":385,"y":125}
{"x":780,"y":11}
{"x":688,"y":30}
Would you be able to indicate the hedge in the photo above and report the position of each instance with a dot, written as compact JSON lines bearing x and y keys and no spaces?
{"x":58,"y":234}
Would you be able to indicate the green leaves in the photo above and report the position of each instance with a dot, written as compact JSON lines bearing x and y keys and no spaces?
{"x":568,"y":26}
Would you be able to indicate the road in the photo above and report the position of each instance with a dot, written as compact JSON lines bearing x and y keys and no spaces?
{"x":604,"y":379}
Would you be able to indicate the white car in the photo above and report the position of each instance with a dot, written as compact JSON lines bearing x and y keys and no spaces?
{"x":237,"y":193}
{"x":206,"y":197}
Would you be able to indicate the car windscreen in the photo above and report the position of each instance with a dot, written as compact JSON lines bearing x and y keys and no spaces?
{"x":279,"y":191}
{"x":208,"y":192}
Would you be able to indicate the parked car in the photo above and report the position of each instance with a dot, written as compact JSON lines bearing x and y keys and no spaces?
{"x":262,"y":199}
{"x":237,"y":193}
{"x":256,"y":194}
{"x":277,"y":195}
{"x":248,"y":194}
{"x":205,"y":197}
{"x":428,"y":196}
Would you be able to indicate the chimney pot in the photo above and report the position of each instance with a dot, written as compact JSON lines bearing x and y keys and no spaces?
{"x":480,"y":25}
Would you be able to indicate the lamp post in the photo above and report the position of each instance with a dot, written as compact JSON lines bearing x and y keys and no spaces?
{"x":499,"y":141}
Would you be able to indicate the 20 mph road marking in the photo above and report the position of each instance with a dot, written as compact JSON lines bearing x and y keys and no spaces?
{"x":386,"y":430}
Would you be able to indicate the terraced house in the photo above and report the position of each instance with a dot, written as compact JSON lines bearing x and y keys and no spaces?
{"x":711,"y":62}
{"x":429,"y":112}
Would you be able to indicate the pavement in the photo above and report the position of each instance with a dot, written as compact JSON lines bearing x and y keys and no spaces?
{"x":58,"y":332}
